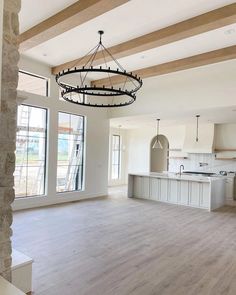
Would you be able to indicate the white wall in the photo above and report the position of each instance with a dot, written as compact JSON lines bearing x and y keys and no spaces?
{"x":138,"y":145}
{"x":138,"y":149}
{"x":225,"y":136}
{"x":96,"y":143}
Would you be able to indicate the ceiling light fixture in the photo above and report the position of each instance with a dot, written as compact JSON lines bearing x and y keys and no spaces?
{"x":90,"y":94}
{"x":197,"y":137}
{"x":157,"y":143}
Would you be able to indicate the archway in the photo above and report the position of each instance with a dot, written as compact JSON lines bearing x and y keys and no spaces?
{"x":159,"y":158}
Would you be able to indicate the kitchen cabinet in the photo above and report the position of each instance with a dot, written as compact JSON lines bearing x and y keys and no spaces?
{"x":194,"y":199}
{"x":137,"y":187}
{"x":145,"y":187}
{"x":141,"y":187}
{"x":205,"y":193}
{"x":164,"y":190}
{"x":173,"y":191}
{"x":200,"y":194}
{"x":229,"y":188}
{"x":183,"y":192}
{"x":155,"y":189}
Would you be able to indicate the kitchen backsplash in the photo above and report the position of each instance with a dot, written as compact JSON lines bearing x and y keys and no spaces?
{"x":193,"y":163}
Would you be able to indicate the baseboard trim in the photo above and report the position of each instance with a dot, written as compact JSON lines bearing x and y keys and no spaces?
{"x":45,"y":201}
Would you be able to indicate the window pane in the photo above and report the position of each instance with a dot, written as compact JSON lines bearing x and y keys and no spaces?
{"x":35,"y":183}
{"x":30,"y":151}
{"x":115,"y":170}
{"x":70,"y":152}
{"x":20,"y":178}
{"x":32,"y":83}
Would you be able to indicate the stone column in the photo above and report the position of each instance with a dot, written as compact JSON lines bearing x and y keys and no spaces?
{"x":8,"y":117}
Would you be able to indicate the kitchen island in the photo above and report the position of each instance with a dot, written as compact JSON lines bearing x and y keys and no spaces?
{"x":194,"y":191}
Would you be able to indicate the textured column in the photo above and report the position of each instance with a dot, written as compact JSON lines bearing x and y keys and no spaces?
{"x":8,"y":117}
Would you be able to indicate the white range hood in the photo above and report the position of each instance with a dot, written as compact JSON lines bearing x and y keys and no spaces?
{"x":205,"y":143}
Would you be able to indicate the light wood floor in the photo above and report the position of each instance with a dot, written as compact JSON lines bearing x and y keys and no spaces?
{"x":119,"y":246}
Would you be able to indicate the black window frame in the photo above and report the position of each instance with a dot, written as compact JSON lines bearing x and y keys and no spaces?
{"x":83,"y":156}
{"x":45,"y":156}
{"x":39,"y":77}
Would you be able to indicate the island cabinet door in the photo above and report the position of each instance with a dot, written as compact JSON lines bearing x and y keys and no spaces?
{"x":164,"y":189}
{"x":183,"y":192}
{"x":137,"y":185}
{"x":154,"y":189}
{"x":145,"y":187}
{"x":194,"y":199}
{"x":205,"y":195}
{"x":173,"y":191}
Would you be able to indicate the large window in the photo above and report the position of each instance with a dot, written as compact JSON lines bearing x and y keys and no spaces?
{"x":30,"y":151}
{"x":70,"y":152}
{"x":33,"y":83}
{"x":115,"y":164}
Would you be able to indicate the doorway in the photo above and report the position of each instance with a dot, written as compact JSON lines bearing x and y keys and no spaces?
{"x":159,"y":158}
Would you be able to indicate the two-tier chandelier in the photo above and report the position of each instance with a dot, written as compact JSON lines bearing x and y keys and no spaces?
{"x":99,"y":91}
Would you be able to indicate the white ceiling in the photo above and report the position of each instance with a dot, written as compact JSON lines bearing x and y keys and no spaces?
{"x":128,"y":21}
{"x":214,"y":115}
{"x":133,"y":19}
{"x":198,"y":44}
{"x":35,"y":11}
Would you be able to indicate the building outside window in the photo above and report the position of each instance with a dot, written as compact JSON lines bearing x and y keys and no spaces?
{"x":70,"y":159}
{"x":33,"y":83}
{"x":31,"y":144}
{"x":73,"y":96}
{"x":116,"y":151}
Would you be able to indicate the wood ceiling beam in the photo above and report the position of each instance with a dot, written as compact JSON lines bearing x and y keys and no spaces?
{"x":67,"y":19}
{"x":177,"y":65}
{"x":200,"y":24}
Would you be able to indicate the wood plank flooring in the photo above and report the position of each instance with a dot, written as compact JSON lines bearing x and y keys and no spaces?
{"x":119,"y":246}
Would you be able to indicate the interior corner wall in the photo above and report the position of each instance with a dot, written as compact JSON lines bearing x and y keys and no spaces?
{"x":96,"y":143}
{"x":9,"y":81}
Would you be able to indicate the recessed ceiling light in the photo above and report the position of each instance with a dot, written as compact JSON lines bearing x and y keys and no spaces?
{"x":230,"y":31}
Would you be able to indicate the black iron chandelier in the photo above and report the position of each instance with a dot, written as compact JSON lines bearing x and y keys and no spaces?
{"x":101,"y":91}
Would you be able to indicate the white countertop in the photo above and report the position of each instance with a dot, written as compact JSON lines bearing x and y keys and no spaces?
{"x":7,"y":288}
{"x":171,"y":175}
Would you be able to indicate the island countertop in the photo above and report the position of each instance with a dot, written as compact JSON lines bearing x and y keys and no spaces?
{"x":172,"y":175}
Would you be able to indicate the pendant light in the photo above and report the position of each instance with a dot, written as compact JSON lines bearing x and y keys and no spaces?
{"x":157,"y":144}
{"x":197,"y":138}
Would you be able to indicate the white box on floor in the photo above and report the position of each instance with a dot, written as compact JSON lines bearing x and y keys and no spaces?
{"x":22,"y":271}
